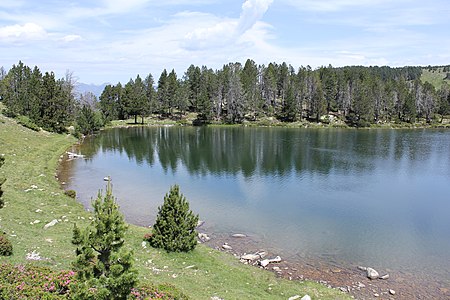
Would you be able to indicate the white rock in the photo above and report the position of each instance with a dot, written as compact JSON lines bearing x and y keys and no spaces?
{"x":51,"y":224}
{"x":227,"y":247}
{"x":200,"y":223}
{"x":238,"y":235}
{"x":372,"y":273}
{"x":392,"y":292}
{"x":203,"y":237}
{"x":264,"y":263}
{"x":250,"y":257}
{"x":294,"y":297}
{"x":144,"y":245}
{"x":385,"y":276}
{"x":33,"y":256}
{"x":306,"y":297}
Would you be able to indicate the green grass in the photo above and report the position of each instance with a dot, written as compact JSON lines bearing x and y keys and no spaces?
{"x":435,"y":77}
{"x":31,"y":160}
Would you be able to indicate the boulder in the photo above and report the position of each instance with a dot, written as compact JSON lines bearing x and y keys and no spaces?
{"x":306,"y":297}
{"x":372,"y":273}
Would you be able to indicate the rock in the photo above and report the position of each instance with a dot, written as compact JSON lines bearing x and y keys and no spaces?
{"x":276,"y":269}
{"x":215,"y":298}
{"x":227,"y":247}
{"x":392,"y":292}
{"x":264,"y":263}
{"x":250,"y":257}
{"x":238,"y":235}
{"x":200,"y":223}
{"x":51,"y":224}
{"x":306,"y":297}
{"x":376,"y":295}
{"x":372,"y":273}
{"x":33,"y":256}
{"x":361,"y":285}
{"x":385,"y":276}
{"x":343,"y":289}
{"x":203,"y":237}
{"x":294,"y":297}
{"x":144,"y":245}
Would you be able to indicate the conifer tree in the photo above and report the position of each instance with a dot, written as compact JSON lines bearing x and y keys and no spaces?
{"x":174,"y":229}
{"x":104,"y":270}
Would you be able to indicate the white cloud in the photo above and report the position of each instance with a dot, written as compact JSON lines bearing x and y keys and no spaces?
{"x":227,"y":31}
{"x":71,"y":38}
{"x":28,"y":31}
{"x":333,"y":5}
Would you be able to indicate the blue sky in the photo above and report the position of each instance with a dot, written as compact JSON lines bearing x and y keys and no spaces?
{"x":113,"y":40}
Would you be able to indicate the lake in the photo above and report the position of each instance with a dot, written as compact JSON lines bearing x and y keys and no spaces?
{"x":353,"y":197}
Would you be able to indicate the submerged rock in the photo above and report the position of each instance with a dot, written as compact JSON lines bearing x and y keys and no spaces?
{"x":238,"y":235}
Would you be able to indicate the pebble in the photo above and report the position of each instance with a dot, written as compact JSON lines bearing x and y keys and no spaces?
{"x":376,"y":295}
{"x":392,"y":292}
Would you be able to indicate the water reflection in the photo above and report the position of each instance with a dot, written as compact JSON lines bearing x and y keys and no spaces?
{"x":250,"y":151}
{"x":370,"y":197}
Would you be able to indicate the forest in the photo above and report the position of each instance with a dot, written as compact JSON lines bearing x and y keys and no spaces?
{"x":236,"y":93}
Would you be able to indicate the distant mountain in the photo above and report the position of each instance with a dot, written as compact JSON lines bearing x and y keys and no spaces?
{"x":93,"y":88}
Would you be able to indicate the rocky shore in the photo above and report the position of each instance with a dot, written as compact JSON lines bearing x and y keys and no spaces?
{"x":361,"y":282}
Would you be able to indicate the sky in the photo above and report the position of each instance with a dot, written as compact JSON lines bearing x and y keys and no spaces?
{"x":114,"y":40}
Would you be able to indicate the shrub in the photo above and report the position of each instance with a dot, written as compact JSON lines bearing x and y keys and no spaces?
{"x":174,"y":229}
{"x":26,"y":122}
{"x":104,"y":270}
{"x":71,"y":193}
{"x":33,"y":282}
{"x":6,"y":248}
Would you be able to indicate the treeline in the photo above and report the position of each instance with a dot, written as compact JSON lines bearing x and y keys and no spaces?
{"x":360,"y":95}
{"x":42,"y":101}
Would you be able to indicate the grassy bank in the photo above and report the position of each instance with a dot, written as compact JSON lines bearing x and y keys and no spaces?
{"x":33,"y":198}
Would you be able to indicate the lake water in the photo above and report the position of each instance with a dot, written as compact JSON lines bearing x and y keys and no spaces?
{"x":356,"y":197}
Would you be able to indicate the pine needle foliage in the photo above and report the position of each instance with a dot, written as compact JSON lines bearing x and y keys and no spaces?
{"x":174,"y":229}
{"x":104,"y":269}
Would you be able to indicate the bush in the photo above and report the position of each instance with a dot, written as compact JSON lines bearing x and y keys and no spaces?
{"x":26,"y":122}
{"x":6,"y":248}
{"x":70,"y":193}
{"x":104,"y":269}
{"x":174,"y":229}
{"x":33,"y":282}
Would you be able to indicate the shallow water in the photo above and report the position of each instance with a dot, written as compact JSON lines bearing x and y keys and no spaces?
{"x":376,"y":198}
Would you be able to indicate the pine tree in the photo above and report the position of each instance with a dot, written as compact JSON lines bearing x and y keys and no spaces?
{"x":104,"y":270}
{"x":174,"y":229}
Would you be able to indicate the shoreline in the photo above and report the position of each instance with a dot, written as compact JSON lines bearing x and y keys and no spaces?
{"x":348,"y":279}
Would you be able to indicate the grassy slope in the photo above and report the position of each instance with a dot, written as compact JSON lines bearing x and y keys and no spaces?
{"x":31,"y":159}
{"x":436,"y":77}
